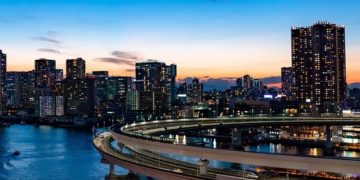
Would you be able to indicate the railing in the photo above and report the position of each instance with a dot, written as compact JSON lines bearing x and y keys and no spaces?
{"x":146,"y":130}
{"x":156,"y":161}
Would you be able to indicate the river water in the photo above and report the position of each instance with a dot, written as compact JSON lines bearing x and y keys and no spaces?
{"x":49,"y":153}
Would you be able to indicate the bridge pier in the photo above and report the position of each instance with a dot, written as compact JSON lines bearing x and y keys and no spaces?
{"x":328,"y":144}
{"x":203,"y":163}
{"x":111,"y":169}
{"x":121,"y":146}
{"x":237,"y":138}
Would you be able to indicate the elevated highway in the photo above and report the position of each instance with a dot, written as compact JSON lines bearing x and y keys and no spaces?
{"x":145,"y":136}
{"x":153,"y":165}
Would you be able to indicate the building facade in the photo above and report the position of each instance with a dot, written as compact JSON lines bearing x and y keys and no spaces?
{"x":286,"y":80}
{"x":45,"y":74}
{"x":79,"y":97}
{"x":59,"y":75}
{"x":75,"y":68}
{"x":318,"y":62}
{"x":2,"y":84}
{"x":20,"y":89}
{"x":195,"y":92}
{"x":155,"y":83}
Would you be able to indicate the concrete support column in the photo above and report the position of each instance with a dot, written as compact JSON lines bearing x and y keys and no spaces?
{"x":328,"y":146}
{"x":121,"y":146}
{"x":237,"y":138}
{"x":112,"y":169}
{"x":203,"y":165}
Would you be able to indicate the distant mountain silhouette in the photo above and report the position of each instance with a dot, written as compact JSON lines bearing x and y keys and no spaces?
{"x":354,"y":85}
{"x":225,"y":83}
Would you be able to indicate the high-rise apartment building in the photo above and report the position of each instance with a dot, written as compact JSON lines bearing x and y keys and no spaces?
{"x":45,"y":73}
{"x":59,"y":75}
{"x":20,"y":89}
{"x":195,"y":92}
{"x":2,"y":83}
{"x":75,"y":68}
{"x":79,"y":97}
{"x":155,"y":83}
{"x":318,"y":62}
{"x":286,"y":80}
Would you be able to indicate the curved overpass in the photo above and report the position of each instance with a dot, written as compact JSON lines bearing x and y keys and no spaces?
{"x":156,"y":127}
{"x":154,"y":165}
{"x":143,"y":136}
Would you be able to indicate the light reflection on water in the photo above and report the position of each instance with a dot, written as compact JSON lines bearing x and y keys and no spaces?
{"x":266,"y":147}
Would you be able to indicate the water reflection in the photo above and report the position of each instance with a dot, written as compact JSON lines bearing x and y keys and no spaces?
{"x":263,"y":147}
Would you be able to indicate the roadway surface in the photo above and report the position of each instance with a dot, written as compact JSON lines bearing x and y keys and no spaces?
{"x":143,"y":136}
{"x":152,"y":164}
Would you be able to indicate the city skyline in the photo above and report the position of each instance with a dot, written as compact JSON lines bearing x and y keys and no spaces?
{"x":205,"y":41}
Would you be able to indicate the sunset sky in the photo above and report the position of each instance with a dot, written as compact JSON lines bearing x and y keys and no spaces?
{"x":214,"y":38}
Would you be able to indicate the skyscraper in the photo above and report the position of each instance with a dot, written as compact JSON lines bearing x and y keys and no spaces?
{"x":2,"y":83}
{"x":20,"y":89}
{"x":239,"y":83}
{"x":195,"y":92}
{"x":286,"y":80}
{"x":132,"y":100}
{"x":112,"y":89}
{"x":247,"y":82}
{"x":318,"y":62}
{"x":155,"y":82}
{"x":45,"y":73}
{"x":75,"y":68}
{"x":59,"y":75}
{"x":45,"y":77}
{"x":79,"y":97}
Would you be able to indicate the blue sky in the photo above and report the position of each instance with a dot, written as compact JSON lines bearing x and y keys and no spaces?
{"x":216,"y":38}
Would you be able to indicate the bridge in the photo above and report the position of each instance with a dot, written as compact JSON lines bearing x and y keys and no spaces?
{"x":153,"y":165}
{"x":145,"y":135}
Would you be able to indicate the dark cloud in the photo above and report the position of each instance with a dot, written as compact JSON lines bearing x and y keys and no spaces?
{"x":46,"y":39}
{"x":212,"y":83}
{"x":125,"y":55}
{"x":120,"y":57}
{"x":218,"y":83}
{"x":130,"y":70}
{"x":224,"y":83}
{"x":52,"y":33}
{"x":49,"y":50}
{"x":115,"y":61}
{"x":185,"y":80}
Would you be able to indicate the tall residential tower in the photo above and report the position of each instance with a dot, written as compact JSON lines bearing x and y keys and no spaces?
{"x":155,"y":82}
{"x":2,"y":84}
{"x":318,"y":62}
{"x":75,"y":68}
